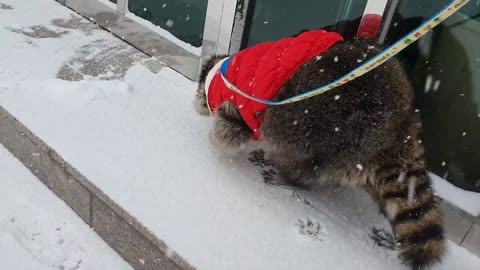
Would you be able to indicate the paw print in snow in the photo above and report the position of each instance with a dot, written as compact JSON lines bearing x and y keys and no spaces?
{"x":383,"y":238}
{"x":311,"y":229}
{"x":257,"y":157}
{"x":269,"y":174}
{"x":5,"y":6}
{"x":299,"y":198}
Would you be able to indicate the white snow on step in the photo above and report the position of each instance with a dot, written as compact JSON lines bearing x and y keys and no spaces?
{"x":38,"y":231}
{"x":148,"y":150}
{"x":468,"y":201}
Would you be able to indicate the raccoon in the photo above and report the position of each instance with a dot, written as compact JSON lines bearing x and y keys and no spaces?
{"x":366,"y":134}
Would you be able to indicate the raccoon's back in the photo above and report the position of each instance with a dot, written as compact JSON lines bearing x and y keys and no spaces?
{"x":358,"y":119}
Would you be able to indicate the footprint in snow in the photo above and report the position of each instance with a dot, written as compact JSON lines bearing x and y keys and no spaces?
{"x":383,"y":238}
{"x":311,"y":229}
{"x":5,"y":6}
{"x":268,"y":172}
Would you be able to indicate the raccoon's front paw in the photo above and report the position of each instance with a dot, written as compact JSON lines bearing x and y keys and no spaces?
{"x":201,"y":105}
{"x":227,"y":147}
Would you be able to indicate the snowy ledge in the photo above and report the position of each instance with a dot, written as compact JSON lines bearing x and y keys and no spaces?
{"x":465,"y":200}
{"x":144,"y":153}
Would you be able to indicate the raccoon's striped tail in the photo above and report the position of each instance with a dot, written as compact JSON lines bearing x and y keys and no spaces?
{"x":407,"y":200}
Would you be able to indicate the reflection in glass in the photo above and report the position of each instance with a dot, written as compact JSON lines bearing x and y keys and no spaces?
{"x":185,"y":19}
{"x":272,"y":19}
{"x":445,"y":66}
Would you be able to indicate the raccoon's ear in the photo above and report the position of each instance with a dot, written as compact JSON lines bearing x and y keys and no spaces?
{"x":208,"y":65}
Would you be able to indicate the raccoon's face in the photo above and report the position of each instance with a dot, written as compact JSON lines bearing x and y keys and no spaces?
{"x":208,"y":70}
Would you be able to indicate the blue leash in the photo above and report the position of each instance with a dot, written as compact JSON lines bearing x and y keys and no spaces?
{"x":368,"y":66}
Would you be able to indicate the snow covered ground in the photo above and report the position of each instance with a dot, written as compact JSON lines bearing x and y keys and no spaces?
{"x":136,"y":136}
{"x":145,"y":147}
{"x":468,"y":201}
{"x":39,"y":232}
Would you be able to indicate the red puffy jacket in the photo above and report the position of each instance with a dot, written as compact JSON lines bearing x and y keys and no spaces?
{"x":262,"y":70}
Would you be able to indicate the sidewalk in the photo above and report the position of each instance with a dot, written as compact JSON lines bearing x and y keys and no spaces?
{"x":38,"y":231}
{"x":142,"y":171}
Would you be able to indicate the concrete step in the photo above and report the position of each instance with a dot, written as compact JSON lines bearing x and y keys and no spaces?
{"x":122,"y":184}
{"x":123,"y":232}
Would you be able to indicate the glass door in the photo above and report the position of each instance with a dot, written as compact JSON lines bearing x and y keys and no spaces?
{"x":270,"y":20}
{"x":184,"y":19}
{"x":445,"y":67}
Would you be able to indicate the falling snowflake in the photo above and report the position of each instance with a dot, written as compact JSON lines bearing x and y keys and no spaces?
{"x":322,"y":70}
{"x":337,"y":129}
{"x":169,"y":23}
{"x":187,"y":18}
{"x":402,"y":176}
{"x":417,"y":110}
{"x":295,"y":122}
{"x":444,"y":164}
{"x":428,"y":83}
{"x":371,"y":47}
{"x":164,"y":5}
{"x":360,"y":167}
{"x":306,"y":111}
{"x":337,"y":97}
{"x":464,"y":134}
{"x":436,"y":85}
{"x":395,"y":24}
{"x":411,"y":191}
{"x":142,"y":261}
{"x":318,"y":57}
{"x":359,"y":60}
{"x":336,"y":59}
{"x":106,"y":21}
{"x":144,"y":9}
{"x":240,"y":106}
{"x":391,"y":210}
{"x":265,"y":22}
